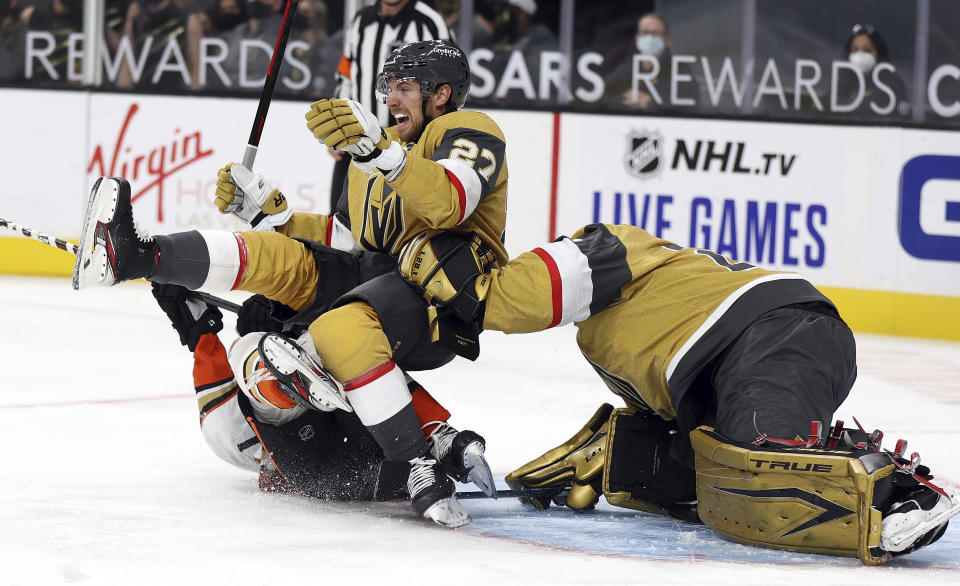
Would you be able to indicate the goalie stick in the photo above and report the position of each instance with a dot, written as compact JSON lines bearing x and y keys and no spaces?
{"x":72,"y":249}
{"x":522,"y":493}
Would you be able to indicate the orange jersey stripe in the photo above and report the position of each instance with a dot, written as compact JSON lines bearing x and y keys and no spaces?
{"x":210,"y":361}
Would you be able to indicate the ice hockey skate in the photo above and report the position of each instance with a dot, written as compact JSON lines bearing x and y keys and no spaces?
{"x":431,"y":494}
{"x":299,"y":374}
{"x":462,"y":455}
{"x":112,"y":247}
{"x":917,"y":521}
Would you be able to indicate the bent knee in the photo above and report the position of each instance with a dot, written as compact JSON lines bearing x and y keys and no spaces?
{"x":350,"y":340}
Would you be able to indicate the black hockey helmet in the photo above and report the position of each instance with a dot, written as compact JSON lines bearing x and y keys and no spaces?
{"x":432,"y":64}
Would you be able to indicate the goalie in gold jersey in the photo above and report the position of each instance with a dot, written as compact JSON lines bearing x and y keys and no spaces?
{"x":438,"y":168}
{"x":728,"y":371}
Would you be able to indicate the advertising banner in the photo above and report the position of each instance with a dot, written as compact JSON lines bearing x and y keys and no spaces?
{"x":856,"y":207}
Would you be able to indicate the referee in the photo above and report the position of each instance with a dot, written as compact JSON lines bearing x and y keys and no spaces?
{"x":375,"y":32}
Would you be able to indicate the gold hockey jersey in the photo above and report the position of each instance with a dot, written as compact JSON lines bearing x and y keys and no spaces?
{"x":455,"y":178}
{"x":650,"y":314}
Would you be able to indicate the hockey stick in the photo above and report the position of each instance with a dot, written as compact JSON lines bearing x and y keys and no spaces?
{"x":273,"y":73}
{"x":72,"y":249}
{"x":522,"y":493}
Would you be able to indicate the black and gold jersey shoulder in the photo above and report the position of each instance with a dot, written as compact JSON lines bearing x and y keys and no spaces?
{"x":455,"y":178}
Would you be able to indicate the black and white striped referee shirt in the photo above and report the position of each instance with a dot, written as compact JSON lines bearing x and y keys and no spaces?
{"x":369,"y":41}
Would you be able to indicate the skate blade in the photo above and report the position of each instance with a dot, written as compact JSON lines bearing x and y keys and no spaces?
{"x":448,"y":513}
{"x":899,"y":542}
{"x":479,"y":471}
{"x":284,"y":356}
{"x":91,"y":264}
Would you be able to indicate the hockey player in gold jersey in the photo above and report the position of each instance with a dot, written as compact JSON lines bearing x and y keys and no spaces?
{"x":721,"y":364}
{"x":439,"y":168}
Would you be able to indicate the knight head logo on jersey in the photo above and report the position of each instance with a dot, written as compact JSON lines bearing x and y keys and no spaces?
{"x":644,"y":154}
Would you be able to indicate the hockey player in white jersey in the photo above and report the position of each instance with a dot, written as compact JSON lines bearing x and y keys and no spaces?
{"x":253,"y":423}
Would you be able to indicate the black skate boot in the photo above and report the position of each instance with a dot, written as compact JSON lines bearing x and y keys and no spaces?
{"x":461,"y":454}
{"x":431,"y":494}
{"x":112,"y":248}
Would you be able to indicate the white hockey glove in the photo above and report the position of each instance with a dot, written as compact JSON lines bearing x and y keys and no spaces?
{"x":346,"y":125}
{"x":245,"y":194}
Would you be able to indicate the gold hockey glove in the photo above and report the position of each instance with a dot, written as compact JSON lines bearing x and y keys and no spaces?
{"x":346,"y":125}
{"x":245,"y":194}
{"x":576,"y":464}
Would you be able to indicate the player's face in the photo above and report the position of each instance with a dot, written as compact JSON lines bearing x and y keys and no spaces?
{"x":406,"y":105}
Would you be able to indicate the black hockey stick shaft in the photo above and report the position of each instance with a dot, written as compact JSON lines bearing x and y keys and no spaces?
{"x":522,"y":493}
{"x":72,"y":249}
{"x":273,"y":73}
{"x":216,"y":301}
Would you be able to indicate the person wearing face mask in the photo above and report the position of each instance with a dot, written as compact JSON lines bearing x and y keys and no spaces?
{"x":651,"y":41}
{"x":217,"y":21}
{"x":161,"y":20}
{"x":883,"y":90}
{"x":246,"y":65}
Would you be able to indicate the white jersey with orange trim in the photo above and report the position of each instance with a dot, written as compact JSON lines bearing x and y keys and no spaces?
{"x":223,"y":425}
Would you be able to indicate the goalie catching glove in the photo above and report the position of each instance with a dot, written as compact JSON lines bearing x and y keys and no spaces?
{"x":623,"y":454}
{"x":575,"y":465}
{"x":245,"y":194}
{"x":346,"y":125}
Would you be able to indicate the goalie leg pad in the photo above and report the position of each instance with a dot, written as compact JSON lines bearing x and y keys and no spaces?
{"x":816,"y":500}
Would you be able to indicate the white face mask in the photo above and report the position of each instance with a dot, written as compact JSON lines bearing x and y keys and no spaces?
{"x":863,"y":61}
{"x":650,"y":45}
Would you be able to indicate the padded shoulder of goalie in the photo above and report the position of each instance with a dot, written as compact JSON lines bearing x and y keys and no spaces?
{"x":816,"y":500}
{"x":450,"y":269}
{"x":639,"y":472}
{"x":329,"y":456}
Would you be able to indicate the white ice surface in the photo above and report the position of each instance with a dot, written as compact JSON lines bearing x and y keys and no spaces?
{"x":106,"y":479}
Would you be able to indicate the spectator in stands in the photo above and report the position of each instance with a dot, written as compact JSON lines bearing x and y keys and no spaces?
{"x":883,"y":91}
{"x":13,"y":30}
{"x":217,"y":21}
{"x":653,"y":45}
{"x":162,"y":22}
{"x":59,"y":18}
{"x":246,"y":67}
{"x":514,"y":29}
{"x":323,"y":51}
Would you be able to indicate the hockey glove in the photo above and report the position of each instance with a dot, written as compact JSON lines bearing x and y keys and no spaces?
{"x":245,"y":194}
{"x":256,"y":315}
{"x":346,"y":125}
{"x":577,"y":465}
{"x":191,"y":317}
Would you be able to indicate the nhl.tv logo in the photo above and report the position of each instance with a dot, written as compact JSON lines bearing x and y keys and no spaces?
{"x":929,"y":222}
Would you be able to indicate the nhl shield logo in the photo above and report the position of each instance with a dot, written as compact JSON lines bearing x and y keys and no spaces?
{"x":644,"y":155}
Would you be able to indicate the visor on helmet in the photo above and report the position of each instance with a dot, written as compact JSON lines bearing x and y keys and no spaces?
{"x":385,"y":79}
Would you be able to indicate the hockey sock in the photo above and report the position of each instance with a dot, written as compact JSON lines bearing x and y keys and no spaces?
{"x":208,"y":259}
{"x":429,"y":411}
{"x":382,"y":402}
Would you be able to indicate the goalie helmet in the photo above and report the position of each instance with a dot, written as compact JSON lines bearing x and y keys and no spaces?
{"x":431,"y":64}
